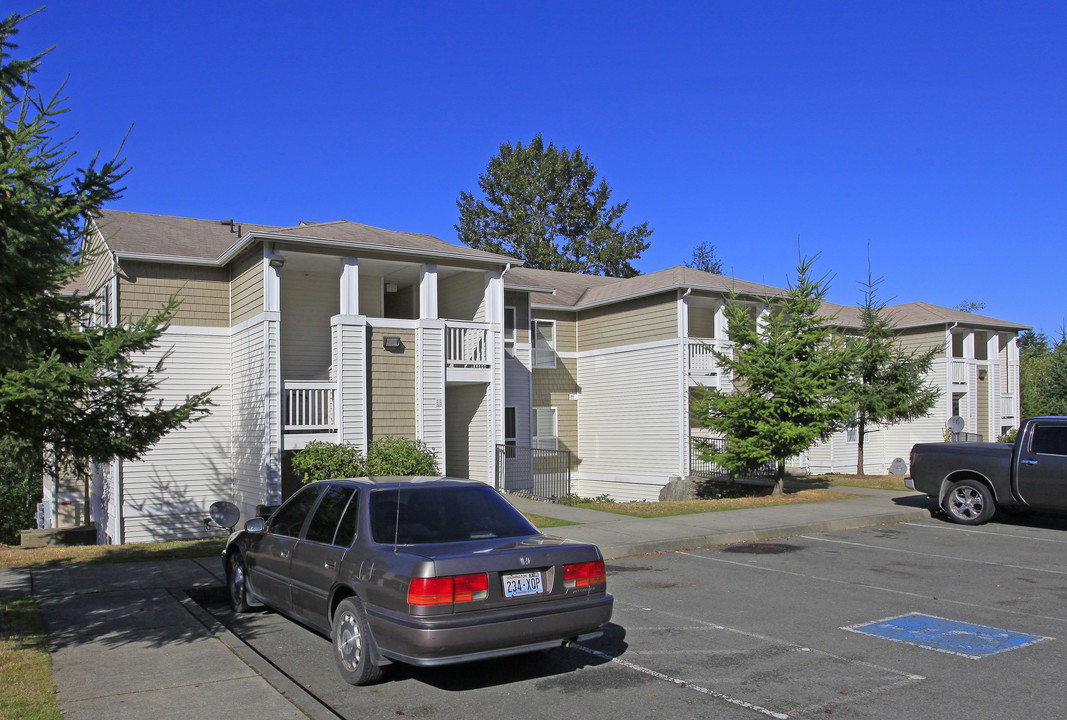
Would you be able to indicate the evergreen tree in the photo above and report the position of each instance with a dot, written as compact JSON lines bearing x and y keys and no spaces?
{"x":68,"y":384}
{"x":704,"y":259}
{"x":888,"y":383}
{"x":789,"y":375}
{"x":544,"y":205}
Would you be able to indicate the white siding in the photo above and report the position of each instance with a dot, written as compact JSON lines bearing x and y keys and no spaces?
{"x":249,"y":418}
{"x":629,"y":409}
{"x":517,"y":392}
{"x":350,"y":366}
{"x":166,"y":494}
{"x":884,"y":444}
{"x":430,"y":407}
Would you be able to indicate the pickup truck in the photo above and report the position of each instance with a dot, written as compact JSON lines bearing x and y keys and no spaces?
{"x":971,"y":480}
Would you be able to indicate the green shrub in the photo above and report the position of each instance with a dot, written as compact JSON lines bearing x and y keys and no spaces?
{"x":386,"y":456}
{"x":400,"y":456}
{"x":1009,"y":437}
{"x":21,"y":479}
{"x":323,"y":461}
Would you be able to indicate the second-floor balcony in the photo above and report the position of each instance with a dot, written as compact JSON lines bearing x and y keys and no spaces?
{"x":701,"y":363}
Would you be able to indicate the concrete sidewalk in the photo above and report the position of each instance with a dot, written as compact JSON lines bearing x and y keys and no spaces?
{"x":128,"y":642}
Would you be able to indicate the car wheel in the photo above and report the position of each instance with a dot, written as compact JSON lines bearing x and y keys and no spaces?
{"x":351,"y":644}
{"x":237,"y":582}
{"x":969,"y":502}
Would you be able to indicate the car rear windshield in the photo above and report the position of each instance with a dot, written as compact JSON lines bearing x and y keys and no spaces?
{"x":421,"y":515}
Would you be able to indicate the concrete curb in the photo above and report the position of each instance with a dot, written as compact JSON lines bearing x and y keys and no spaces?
{"x":615,"y":552}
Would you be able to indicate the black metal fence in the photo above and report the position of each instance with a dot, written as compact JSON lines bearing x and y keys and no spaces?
{"x":964,"y":437}
{"x":539,"y":474}
{"x":699,"y":446}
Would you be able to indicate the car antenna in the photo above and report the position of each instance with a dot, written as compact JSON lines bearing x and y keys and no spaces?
{"x":396,"y":524}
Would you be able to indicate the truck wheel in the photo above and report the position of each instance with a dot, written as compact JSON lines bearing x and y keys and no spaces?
{"x":969,"y":502}
{"x":351,"y":644}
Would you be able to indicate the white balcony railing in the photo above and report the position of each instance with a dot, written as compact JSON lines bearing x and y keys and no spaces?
{"x":959,"y":372}
{"x":467,"y":347}
{"x":701,"y":358}
{"x":1007,"y":407}
{"x":309,"y":406}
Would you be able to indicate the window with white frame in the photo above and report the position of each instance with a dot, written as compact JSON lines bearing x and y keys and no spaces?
{"x":852,"y":430}
{"x":509,"y":332}
{"x":543,"y":333}
{"x":544,"y":436}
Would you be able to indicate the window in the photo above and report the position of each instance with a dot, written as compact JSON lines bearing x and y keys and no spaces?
{"x":543,"y":333}
{"x":510,"y":432}
{"x":290,"y":518}
{"x":323,"y":526}
{"x":509,"y":332}
{"x":545,"y":428}
{"x":852,"y":430}
{"x":1049,"y":440}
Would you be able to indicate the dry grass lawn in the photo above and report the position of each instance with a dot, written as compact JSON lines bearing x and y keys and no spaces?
{"x":27,"y":692}
{"x":685,"y":507}
{"x":877,"y":482}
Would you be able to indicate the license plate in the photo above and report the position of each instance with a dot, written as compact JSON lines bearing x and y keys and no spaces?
{"x":519,"y":584}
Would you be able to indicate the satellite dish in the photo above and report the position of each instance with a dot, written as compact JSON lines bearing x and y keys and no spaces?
{"x":225,"y":514}
{"x":955,"y":424}
{"x":899,"y":467}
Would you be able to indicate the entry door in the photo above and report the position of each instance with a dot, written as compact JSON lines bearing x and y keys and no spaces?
{"x":1042,"y":468}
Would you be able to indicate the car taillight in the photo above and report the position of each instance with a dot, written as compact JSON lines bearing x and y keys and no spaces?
{"x":584,"y":574}
{"x":448,"y":590}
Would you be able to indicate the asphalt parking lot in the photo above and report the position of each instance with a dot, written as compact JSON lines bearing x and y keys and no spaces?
{"x":923,"y":619}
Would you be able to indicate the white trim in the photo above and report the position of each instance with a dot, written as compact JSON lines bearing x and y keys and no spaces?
{"x":199,"y":330}
{"x":349,"y":289}
{"x":428,"y":294}
{"x":683,"y":384}
{"x":533,"y":343}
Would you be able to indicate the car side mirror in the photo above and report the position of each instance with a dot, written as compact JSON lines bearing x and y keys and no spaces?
{"x":255,"y":525}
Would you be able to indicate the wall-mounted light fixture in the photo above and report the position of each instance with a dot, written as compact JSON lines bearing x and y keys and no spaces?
{"x":390,"y":287}
{"x":277,"y":261}
{"x":982,"y":372}
{"x":392,"y":342}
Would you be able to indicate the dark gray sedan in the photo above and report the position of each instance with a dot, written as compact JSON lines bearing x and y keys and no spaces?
{"x":427,"y":571}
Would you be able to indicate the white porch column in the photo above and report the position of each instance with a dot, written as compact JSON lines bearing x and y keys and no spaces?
{"x":350,"y":286}
{"x":428,"y":292}
{"x":721,"y":323}
{"x":272,"y":289}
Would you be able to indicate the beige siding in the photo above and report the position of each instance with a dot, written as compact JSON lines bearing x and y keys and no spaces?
{"x":392,"y":384}
{"x":98,"y":271}
{"x":521,"y":302}
{"x":553,"y":388}
{"x":566,"y":328}
{"x":370,"y":296}
{"x":467,"y":428}
{"x":462,"y":297}
{"x":246,"y":286}
{"x":204,"y":292}
{"x":701,"y":322}
{"x":629,"y":323}
{"x":921,"y":340}
{"x":308,"y":301}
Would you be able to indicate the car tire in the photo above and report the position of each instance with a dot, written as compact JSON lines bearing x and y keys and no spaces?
{"x":352,"y":644}
{"x":237,"y":582}
{"x":969,"y":502}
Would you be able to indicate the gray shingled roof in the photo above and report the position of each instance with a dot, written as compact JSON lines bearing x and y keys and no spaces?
{"x":208,"y":240}
{"x":575,"y":291}
{"x":919,"y":314}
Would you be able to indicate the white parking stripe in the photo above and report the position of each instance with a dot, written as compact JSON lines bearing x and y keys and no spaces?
{"x":971,"y":531}
{"x":868,"y":586}
{"x":933,"y":555}
{"x":684,"y":683}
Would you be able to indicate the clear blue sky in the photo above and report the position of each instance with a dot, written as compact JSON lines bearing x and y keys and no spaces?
{"x":934,"y":131}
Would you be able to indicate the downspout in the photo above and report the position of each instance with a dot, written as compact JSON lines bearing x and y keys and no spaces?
{"x":683,"y":385}
{"x":120,"y":520}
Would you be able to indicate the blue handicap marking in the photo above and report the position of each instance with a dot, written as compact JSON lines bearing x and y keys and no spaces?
{"x":948,"y":636}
